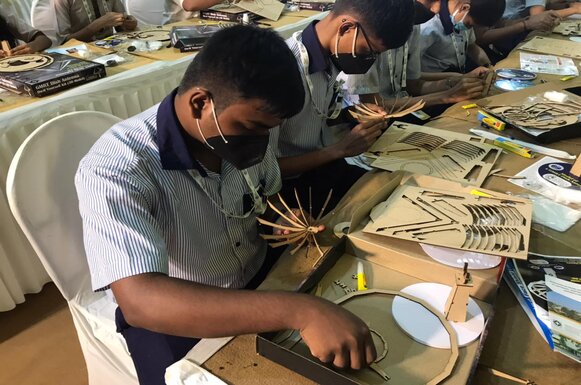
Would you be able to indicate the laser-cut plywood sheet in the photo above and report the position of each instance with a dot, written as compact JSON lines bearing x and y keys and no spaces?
{"x":557,"y":47}
{"x":495,"y":225}
{"x":430,"y":151}
{"x":568,"y":28}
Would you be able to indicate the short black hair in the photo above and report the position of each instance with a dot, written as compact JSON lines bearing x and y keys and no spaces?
{"x":244,"y":62}
{"x":486,"y":12}
{"x":390,"y":21}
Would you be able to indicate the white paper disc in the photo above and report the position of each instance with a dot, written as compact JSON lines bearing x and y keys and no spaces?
{"x":426,"y":328}
{"x":457,"y":258}
{"x":576,"y":39}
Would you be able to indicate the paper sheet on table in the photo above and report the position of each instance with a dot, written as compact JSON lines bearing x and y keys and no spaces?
{"x":185,"y":372}
{"x":188,"y":371}
{"x":548,"y":64}
{"x":270,"y":9}
{"x":553,"y":46}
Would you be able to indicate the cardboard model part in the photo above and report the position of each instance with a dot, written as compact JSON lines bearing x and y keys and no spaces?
{"x":269,"y":9}
{"x":20,"y":63}
{"x":364,"y":114}
{"x":543,"y":115}
{"x":430,"y":151}
{"x":457,"y":303}
{"x":490,"y":225}
{"x":550,"y":46}
{"x":568,"y":28}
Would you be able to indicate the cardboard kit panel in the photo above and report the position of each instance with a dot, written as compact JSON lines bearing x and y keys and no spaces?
{"x":406,"y":256}
{"x":406,"y":362}
{"x":269,"y":9}
{"x":551,"y":46}
{"x":46,"y":74}
{"x":321,"y":6}
{"x":430,"y":151}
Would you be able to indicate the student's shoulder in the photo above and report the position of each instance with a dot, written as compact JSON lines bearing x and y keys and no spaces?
{"x":124,"y":145}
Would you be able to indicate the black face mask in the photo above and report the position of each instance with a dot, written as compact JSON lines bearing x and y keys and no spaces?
{"x":242,"y":151}
{"x":350,"y":63}
{"x":422,"y":14}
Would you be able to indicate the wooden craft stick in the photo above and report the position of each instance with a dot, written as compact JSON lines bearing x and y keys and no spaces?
{"x":507,"y":376}
{"x":300,"y":207}
{"x":290,"y":211}
{"x":280,"y":236}
{"x":277,"y":226}
{"x":6,"y":47}
{"x":276,"y":210}
{"x":326,"y":203}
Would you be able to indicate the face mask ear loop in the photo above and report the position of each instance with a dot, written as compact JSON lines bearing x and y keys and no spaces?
{"x":337,"y":44}
{"x":354,"y":41}
{"x":216,"y":120}
{"x":202,"y":134}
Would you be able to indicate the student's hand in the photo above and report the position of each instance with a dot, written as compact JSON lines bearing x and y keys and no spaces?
{"x":545,"y":21}
{"x":335,"y":335}
{"x":479,"y":73}
{"x":374,"y":107}
{"x":110,"y":19}
{"x":2,"y":54}
{"x":297,"y":214}
{"x":360,"y":138}
{"x":466,"y":88}
{"x":130,"y":23}
{"x":22,"y":49}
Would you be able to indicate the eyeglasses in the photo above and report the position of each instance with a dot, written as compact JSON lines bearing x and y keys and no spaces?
{"x":372,"y":53}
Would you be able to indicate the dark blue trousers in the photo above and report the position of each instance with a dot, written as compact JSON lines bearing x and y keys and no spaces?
{"x":153,"y":352}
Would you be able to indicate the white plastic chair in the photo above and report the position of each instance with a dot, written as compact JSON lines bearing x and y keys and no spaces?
{"x":148,"y":12}
{"x":42,"y":197}
{"x":43,"y":18}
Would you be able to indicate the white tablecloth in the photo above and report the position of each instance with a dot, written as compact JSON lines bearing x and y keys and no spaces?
{"x":122,"y":95}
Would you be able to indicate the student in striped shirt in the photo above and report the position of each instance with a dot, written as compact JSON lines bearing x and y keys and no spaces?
{"x":310,"y":152}
{"x":169,"y":200}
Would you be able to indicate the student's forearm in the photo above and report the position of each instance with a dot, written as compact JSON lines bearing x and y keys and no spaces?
{"x":295,"y":165}
{"x":477,"y":54}
{"x":439,"y":75}
{"x":167,"y":305}
{"x":564,"y":13}
{"x":197,"y":5}
{"x":535,"y":10}
{"x":488,"y":36}
{"x":86,"y":34}
{"x":424,"y":87}
{"x":40,"y":43}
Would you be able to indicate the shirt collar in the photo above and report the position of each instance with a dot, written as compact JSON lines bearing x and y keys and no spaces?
{"x":445,"y":18}
{"x":173,"y":140}
{"x":318,"y":58}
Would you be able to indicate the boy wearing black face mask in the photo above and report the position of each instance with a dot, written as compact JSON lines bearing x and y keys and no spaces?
{"x":349,"y":39}
{"x":169,"y":200}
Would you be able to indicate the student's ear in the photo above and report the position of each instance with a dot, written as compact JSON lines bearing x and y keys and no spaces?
{"x":199,"y":99}
{"x":346,"y":25}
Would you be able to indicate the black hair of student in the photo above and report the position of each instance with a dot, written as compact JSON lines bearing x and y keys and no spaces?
{"x":390,"y":21}
{"x":243,"y":62}
{"x":486,"y":12}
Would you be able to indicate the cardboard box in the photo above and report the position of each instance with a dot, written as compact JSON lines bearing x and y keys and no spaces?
{"x":56,"y":72}
{"x":407,"y":256}
{"x":232,"y":14}
{"x":192,"y":37}
{"x":407,"y":362}
{"x":320,"y":6}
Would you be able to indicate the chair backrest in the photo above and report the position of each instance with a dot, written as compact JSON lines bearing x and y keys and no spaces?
{"x":43,"y":18}
{"x":42,"y":196}
{"x":150,"y":12}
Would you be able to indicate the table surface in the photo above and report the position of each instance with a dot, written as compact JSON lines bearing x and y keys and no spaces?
{"x":512,"y":345}
{"x":10,"y":101}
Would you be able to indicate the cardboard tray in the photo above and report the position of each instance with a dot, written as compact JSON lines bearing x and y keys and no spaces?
{"x":408,"y":362}
{"x":514,"y":97}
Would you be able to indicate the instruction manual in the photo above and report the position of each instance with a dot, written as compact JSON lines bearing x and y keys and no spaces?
{"x":564,"y":301}
{"x":548,"y":64}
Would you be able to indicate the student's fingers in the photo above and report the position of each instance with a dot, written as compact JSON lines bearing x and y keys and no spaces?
{"x":21,"y":50}
{"x":2,"y":53}
{"x":370,"y":352}
{"x":342,"y":359}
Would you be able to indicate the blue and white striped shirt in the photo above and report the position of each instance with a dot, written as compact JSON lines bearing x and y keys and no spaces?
{"x":308,"y":131}
{"x":143,"y":211}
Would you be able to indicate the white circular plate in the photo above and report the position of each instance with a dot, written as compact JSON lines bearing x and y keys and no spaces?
{"x":576,"y":39}
{"x":424,"y":327}
{"x":457,"y":258}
